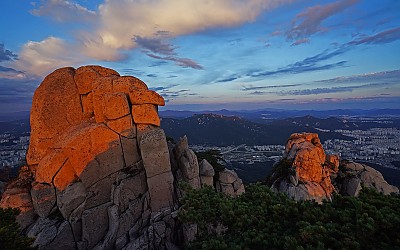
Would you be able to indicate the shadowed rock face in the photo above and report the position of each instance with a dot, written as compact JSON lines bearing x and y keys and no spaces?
{"x":309,"y":174}
{"x":99,"y":170}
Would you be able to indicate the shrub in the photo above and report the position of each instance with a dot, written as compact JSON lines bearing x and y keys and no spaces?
{"x":10,"y":237}
{"x":262,"y":219}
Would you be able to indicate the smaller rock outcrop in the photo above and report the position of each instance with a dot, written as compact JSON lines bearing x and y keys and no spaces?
{"x":354,"y":176}
{"x":303,"y":172}
{"x":189,"y":170}
{"x":17,"y":195}
{"x":306,"y":173}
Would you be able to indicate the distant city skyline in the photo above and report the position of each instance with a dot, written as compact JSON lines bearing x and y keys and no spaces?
{"x":211,"y":55}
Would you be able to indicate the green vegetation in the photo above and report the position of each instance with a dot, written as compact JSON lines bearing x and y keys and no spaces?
{"x":213,"y":157}
{"x":262,"y":219}
{"x":10,"y":237}
{"x":281,"y":168}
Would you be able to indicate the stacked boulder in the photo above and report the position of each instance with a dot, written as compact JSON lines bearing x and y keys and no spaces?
{"x":306,"y":173}
{"x":100,"y":173}
{"x":229,"y":183}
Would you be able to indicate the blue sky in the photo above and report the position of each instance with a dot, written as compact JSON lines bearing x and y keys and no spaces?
{"x":211,"y":55}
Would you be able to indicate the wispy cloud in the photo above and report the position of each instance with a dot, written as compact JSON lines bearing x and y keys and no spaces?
{"x":184,"y":62}
{"x":16,"y":93}
{"x":313,"y":63}
{"x":10,"y":73}
{"x":5,"y":54}
{"x":300,"y":67}
{"x":250,"y":87}
{"x":164,"y":88}
{"x":383,"y":76}
{"x":383,"y":37}
{"x":64,"y":11}
{"x":155,"y":45}
{"x":301,"y":41}
{"x":228,"y":79}
{"x":170,"y":94}
{"x":317,"y":91}
{"x":159,"y":48}
{"x":310,"y":20}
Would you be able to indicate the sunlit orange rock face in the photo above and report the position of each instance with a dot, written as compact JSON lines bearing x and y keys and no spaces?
{"x":97,"y":157}
{"x":310,"y":170}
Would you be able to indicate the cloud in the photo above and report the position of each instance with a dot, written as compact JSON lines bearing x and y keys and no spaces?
{"x":308,"y":64}
{"x":257,"y":93}
{"x":299,"y":67}
{"x":159,"y":48}
{"x":301,"y":41}
{"x":155,"y":45}
{"x":310,"y":21}
{"x":169,"y":94}
{"x":184,"y":62}
{"x":313,"y":63}
{"x":228,"y":79}
{"x":317,"y":91}
{"x":115,"y":23}
{"x":39,"y":58}
{"x":16,"y":94}
{"x":117,"y":17}
{"x":64,"y":11}
{"x":5,"y":54}
{"x":383,"y":37}
{"x":164,"y":88}
{"x":249,"y":88}
{"x":386,"y":76}
{"x":10,"y":73}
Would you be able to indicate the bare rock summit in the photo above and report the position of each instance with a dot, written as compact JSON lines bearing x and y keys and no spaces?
{"x":100,"y":172}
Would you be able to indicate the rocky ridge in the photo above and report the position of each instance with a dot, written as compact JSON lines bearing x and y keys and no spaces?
{"x":306,"y":173}
{"x":100,"y":172}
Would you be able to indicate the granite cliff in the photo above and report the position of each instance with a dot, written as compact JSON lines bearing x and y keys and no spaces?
{"x":100,"y":173}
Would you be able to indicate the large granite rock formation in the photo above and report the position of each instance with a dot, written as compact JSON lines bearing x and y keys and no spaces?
{"x":100,"y":173}
{"x":306,"y":173}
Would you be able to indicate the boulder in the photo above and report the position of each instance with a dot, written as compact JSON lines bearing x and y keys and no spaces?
{"x":227,"y":176}
{"x":95,"y":224}
{"x":65,"y":101}
{"x":352,"y":187}
{"x":116,"y":105}
{"x":43,"y":198}
{"x":154,"y":151}
{"x":70,"y":198}
{"x":206,"y":169}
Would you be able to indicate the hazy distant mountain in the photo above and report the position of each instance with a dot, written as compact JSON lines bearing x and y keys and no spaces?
{"x":222,"y":130}
{"x":15,"y":127}
{"x":268,"y":115}
{"x":12,"y":116}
